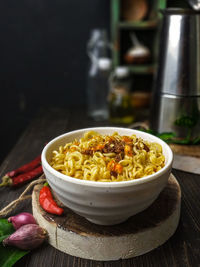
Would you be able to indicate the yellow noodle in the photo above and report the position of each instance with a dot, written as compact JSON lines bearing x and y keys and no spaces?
{"x":88,"y":160}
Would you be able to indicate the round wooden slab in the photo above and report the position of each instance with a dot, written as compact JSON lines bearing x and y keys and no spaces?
{"x":140,"y":234}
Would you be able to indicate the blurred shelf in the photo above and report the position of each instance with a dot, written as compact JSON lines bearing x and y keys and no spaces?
{"x":142,"y":69}
{"x":148,"y":24}
{"x":147,"y":31}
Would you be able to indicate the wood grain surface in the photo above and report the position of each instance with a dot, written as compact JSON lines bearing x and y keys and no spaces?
{"x":187,"y":150}
{"x":140,"y":234}
{"x":182,"y":249}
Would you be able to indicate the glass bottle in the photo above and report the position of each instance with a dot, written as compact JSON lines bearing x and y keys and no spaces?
{"x":120,"y":106}
{"x":98,"y":89}
{"x":98,"y":75}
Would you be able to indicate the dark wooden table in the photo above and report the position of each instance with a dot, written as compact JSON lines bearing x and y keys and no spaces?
{"x":182,"y":249}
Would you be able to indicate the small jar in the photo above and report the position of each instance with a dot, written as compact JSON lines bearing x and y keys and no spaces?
{"x":120,"y":105}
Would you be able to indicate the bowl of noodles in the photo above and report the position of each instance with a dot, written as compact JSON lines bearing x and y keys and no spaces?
{"x":107,"y":174}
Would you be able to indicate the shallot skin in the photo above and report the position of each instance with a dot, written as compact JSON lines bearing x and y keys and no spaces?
{"x":22,"y":219}
{"x":27,"y":237}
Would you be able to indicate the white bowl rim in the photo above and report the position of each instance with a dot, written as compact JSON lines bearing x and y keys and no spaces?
{"x":138,"y":181}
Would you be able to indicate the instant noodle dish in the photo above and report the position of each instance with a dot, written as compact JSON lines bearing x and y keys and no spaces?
{"x":104,"y":182}
{"x":108,"y":158}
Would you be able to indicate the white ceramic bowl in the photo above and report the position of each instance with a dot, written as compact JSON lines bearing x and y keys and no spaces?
{"x":106,"y":203}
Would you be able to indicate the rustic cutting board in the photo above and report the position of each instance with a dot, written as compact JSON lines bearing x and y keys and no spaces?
{"x":187,"y":150}
{"x":140,"y":234}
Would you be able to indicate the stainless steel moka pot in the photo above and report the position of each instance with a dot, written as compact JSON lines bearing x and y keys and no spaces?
{"x":176,"y":92}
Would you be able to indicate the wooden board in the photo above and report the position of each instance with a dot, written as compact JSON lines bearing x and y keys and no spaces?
{"x":140,"y":234}
{"x":186,"y":150}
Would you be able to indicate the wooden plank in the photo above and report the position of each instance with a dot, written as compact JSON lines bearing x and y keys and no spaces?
{"x":142,"y":25}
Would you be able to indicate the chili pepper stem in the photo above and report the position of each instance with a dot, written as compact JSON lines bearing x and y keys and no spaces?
{"x":6,"y":181}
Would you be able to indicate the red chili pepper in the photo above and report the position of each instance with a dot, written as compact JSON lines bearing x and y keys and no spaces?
{"x":27,"y":176}
{"x":47,"y":202}
{"x":22,"y":178}
{"x":25,"y":168}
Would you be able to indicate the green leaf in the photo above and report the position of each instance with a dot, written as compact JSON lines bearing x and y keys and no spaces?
{"x":181,"y":142}
{"x":8,"y":255}
{"x":166,"y":136}
{"x":196,"y":141}
{"x":147,"y":131}
{"x":186,"y":121}
{"x":6,"y":228}
{"x":170,"y":138}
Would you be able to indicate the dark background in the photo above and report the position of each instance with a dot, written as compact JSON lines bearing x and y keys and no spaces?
{"x":43,"y":58}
